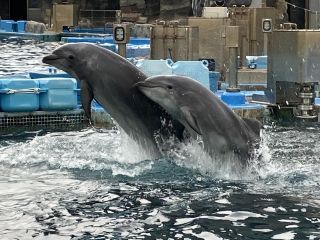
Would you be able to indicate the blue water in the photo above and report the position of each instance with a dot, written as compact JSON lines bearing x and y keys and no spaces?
{"x":95,"y":183}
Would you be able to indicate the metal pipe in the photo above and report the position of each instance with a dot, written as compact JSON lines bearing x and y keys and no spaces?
{"x":122,"y":49}
{"x":233,"y":70}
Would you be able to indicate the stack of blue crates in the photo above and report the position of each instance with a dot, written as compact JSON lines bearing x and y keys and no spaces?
{"x":196,"y":70}
{"x":57,"y":94}
{"x":48,"y":94}
{"x":19,"y":95}
{"x":12,"y":26}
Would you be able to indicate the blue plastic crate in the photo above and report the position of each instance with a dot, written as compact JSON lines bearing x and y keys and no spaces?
{"x":196,"y":70}
{"x":155,"y":67}
{"x":51,"y":73}
{"x":21,"y":25}
{"x":86,"y":39}
{"x":8,"y":25}
{"x":138,"y":50}
{"x":58,"y":94}
{"x":213,"y":80}
{"x":19,"y":95}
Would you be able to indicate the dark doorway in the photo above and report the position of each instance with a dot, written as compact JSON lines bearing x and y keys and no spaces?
{"x":296,"y":12}
{"x":4,"y":9}
{"x":18,"y":9}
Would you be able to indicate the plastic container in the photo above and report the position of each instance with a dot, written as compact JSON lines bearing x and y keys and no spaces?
{"x":213,"y":80}
{"x":52,"y":73}
{"x":215,"y":12}
{"x":7,"y":25}
{"x":21,"y":26}
{"x":138,"y":50}
{"x":86,"y":39}
{"x":233,"y":98}
{"x":155,"y":67}
{"x":196,"y":70}
{"x":58,"y":94}
{"x":19,"y":95}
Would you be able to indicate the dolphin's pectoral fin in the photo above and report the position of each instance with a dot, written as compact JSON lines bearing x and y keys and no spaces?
{"x":86,"y":98}
{"x":191,"y":120}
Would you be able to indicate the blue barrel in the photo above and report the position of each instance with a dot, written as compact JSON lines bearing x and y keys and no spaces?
{"x":214,"y":77}
{"x":155,"y":67}
{"x":21,"y":26}
{"x":19,"y":95}
{"x":58,"y":94}
{"x":196,"y":70}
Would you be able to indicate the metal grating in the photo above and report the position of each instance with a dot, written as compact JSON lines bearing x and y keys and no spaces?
{"x":34,"y":119}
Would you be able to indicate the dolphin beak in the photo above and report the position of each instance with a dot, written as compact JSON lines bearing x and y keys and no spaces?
{"x":145,"y":84}
{"x":50,"y":58}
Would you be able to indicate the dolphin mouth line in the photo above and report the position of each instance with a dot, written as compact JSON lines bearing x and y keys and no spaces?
{"x":50,"y":58}
{"x":144,"y":84}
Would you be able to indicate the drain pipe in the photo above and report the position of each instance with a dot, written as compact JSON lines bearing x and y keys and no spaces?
{"x":232,"y":42}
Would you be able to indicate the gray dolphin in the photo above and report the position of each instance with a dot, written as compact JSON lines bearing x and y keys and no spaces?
{"x":109,"y":79}
{"x":202,"y":113}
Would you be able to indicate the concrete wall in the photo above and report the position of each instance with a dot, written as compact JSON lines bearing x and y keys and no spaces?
{"x":314,"y":18}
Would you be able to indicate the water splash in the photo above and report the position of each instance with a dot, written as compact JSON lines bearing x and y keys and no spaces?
{"x":87,"y":149}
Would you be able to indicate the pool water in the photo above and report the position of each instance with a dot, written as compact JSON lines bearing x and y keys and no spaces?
{"x":95,"y":183}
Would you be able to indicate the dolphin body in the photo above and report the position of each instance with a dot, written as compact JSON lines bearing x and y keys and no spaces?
{"x":109,"y":79}
{"x":202,"y":113}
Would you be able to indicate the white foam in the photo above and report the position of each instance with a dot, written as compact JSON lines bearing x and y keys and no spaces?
{"x":156,"y":219}
{"x":285,"y":236}
{"x":203,"y":235}
{"x":181,"y":221}
{"x":87,"y":149}
{"x":143,"y":201}
{"x":289,"y":221}
{"x":264,"y":230}
{"x":270,"y":209}
{"x":223,"y":201}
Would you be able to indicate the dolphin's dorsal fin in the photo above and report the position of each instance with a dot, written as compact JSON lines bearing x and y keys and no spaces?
{"x":191,"y":120}
{"x":86,"y":98}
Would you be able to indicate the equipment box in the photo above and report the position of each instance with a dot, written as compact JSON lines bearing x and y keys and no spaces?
{"x":58,"y":94}
{"x":19,"y":95}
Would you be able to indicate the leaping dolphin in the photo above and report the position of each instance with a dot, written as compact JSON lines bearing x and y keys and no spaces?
{"x":204,"y":114}
{"x":109,"y":79}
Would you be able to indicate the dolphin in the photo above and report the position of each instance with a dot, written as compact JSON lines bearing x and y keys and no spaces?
{"x":203,"y":114}
{"x":109,"y":79}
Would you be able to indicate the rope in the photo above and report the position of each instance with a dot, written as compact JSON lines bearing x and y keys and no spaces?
{"x":304,"y":9}
{"x":29,"y":90}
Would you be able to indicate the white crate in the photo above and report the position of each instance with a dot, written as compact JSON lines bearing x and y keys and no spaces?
{"x":215,"y":12}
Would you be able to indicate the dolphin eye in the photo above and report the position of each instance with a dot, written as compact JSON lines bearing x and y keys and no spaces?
{"x":71,"y":57}
{"x":169,"y":87}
